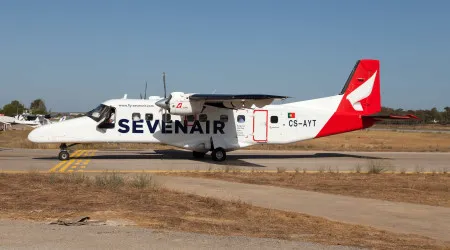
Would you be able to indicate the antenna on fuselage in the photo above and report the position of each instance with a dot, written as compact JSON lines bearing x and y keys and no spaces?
{"x":145,"y":92}
{"x":164,"y":82}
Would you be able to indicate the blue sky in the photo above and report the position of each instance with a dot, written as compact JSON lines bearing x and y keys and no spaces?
{"x":76,"y":54}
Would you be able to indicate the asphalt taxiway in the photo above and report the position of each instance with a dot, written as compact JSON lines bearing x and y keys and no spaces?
{"x":392,"y":216}
{"x":19,"y":160}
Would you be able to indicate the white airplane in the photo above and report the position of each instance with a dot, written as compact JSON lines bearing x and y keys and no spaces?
{"x":7,"y":119}
{"x":220,"y":123}
{"x":31,"y":120}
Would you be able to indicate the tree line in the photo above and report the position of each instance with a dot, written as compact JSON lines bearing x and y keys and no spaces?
{"x":36,"y":107}
{"x":425,"y":115}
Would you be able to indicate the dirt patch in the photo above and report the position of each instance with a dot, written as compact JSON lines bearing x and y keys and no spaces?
{"x":414,"y":126}
{"x":48,"y":196}
{"x":427,"y":189}
{"x":353,"y":141}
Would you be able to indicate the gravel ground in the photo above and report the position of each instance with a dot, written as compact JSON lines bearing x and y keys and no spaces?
{"x":36,"y":235}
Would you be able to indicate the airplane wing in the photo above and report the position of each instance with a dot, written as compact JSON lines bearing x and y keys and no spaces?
{"x":236,"y":101}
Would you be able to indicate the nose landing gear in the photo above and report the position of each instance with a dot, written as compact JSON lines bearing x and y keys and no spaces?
{"x":63,"y":156}
{"x":64,"y":152}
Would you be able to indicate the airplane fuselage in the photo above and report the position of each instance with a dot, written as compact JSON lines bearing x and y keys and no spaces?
{"x":141,"y":121}
{"x":220,"y":123}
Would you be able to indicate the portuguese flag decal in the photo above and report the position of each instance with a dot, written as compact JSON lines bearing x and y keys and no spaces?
{"x":291,"y":115}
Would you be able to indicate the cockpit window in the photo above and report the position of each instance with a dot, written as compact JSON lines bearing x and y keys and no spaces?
{"x":98,"y":113}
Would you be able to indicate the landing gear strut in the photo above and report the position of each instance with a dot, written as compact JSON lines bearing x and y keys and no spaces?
{"x":63,"y":154}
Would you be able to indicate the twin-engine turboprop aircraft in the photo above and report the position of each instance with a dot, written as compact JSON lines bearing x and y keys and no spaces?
{"x":221,"y":123}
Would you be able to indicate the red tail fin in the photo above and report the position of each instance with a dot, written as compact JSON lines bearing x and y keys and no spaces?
{"x":362,"y":89}
{"x":360,"y":97}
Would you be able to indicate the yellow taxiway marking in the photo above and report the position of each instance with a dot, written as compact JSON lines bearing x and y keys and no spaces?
{"x":74,"y":162}
{"x":57,"y":166}
{"x":70,"y":162}
{"x":80,"y":153}
{"x":53,"y":169}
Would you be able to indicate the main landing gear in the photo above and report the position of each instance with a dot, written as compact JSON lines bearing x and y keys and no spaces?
{"x":218,"y":154}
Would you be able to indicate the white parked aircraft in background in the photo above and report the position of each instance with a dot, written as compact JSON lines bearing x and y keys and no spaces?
{"x":28,"y":119}
{"x":221,"y":123}
{"x":31,"y":120}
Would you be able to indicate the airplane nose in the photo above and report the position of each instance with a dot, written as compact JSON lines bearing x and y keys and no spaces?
{"x":36,"y":135}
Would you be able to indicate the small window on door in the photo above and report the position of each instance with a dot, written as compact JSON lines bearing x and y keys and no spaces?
{"x":149,"y":117}
{"x":274,"y":119}
{"x":203,"y":117}
{"x":241,"y":118}
{"x":136,"y":116}
{"x":224,"y":118}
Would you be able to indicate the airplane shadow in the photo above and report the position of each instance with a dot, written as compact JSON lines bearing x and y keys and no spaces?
{"x":233,"y":159}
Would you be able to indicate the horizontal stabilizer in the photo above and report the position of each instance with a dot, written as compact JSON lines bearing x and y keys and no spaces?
{"x":392,"y":117}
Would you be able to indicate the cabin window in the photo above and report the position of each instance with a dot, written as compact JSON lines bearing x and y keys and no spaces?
{"x":149,"y":117}
{"x":274,"y":119}
{"x":241,"y":118}
{"x":136,"y":116}
{"x":166,"y":118}
{"x":190,"y":118}
{"x":224,"y":118}
{"x":202,"y":117}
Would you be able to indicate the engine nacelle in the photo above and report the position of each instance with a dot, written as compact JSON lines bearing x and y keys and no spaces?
{"x":180,"y":104}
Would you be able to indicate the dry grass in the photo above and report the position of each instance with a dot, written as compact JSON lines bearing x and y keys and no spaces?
{"x":41,"y":197}
{"x":353,"y":141}
{"x":416,"y":126}
{"x":414,"y":188}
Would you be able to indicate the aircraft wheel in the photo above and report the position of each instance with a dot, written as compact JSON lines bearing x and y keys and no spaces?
{"x":198,"y":155}
{"x":219,"y":154}
{"x":63,"y":156}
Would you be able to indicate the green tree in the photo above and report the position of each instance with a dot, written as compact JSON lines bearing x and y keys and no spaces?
{"x":446,"y":114}
{"x":38,"y":107}
{"x":436,"y":116}
{"x":13,"y":108}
